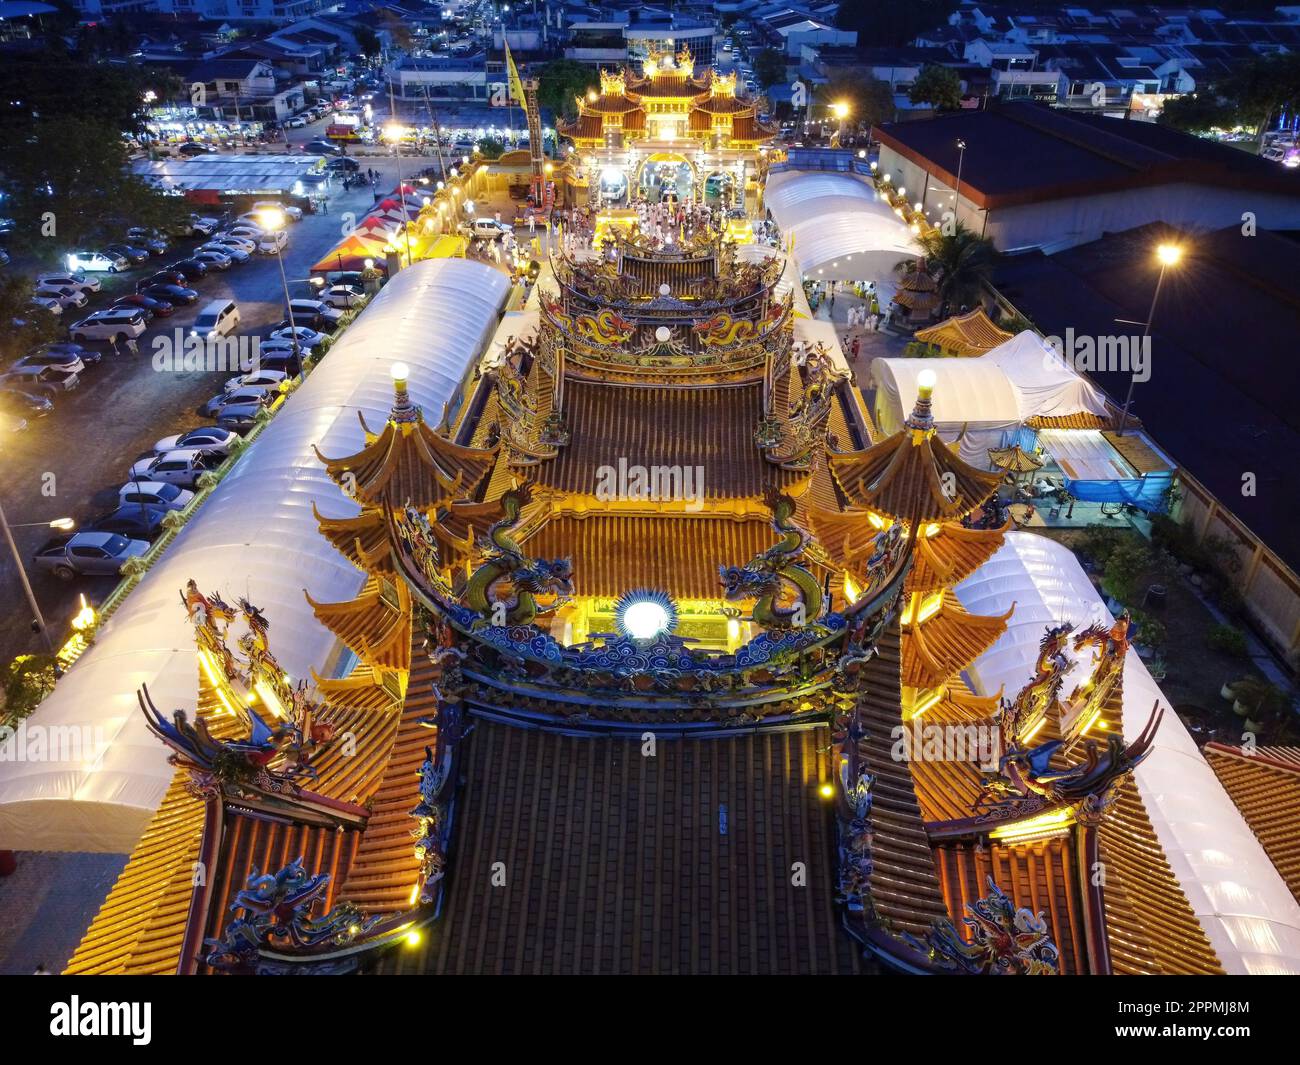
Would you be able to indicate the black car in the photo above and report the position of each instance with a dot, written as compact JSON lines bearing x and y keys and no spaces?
{"x":20,"y":404}
{"x":286,"y":361}
{"x":343,"y":164}
{"x":192,"y":149}
{"x":135,"y":521}
{"x":169,"y":293}
{"x":130,"y":253}
{"x":190,"y":269}
{"x":162,"y":277}
{"x":61,"y":359}
{"x":322,"y":148}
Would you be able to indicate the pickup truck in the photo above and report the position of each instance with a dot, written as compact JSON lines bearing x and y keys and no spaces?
{"x":88,"y":553}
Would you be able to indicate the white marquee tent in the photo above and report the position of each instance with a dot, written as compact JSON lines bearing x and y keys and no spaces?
{"x":985,"y":396}
{"x":1248,"y":914}
{"x":256,"y":536}
{"x":841,"y":230}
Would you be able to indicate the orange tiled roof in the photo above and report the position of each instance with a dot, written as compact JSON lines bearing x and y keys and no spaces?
{"x":965,"y":334}
{"x":1266,"y":789}
{"x":943,"y":645}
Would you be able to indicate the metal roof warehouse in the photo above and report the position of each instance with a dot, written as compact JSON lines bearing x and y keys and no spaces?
{"x":234,"y":174}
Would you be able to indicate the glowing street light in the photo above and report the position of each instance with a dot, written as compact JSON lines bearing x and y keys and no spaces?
{"x":1167,"y":255}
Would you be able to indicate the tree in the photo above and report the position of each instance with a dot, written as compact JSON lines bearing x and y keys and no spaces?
{"x":870,"y":100}
{"x":769,"y":68}
{"x":561,"y":80}
{"x":960,"y":262}
{"x":491,"y":148}
{"x":940,"y":87}
{"x":38,"y":325}
{"x":1197,"y":112}
{"x":368,"y":41}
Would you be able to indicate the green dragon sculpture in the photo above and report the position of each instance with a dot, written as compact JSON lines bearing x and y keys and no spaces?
{"x":505,"y":563}
{"x":776,"y":570}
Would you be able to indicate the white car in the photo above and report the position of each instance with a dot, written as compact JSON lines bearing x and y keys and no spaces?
{"x":154,"y":494}
{"x":66,"y":295}
{"x":342,"y":297}
{"x":47,"y":303}
{"x":486,"y":229}
{"x":307,"y":338}
{"x":244,"y":244}
{"x":297,"y":122}
{"x":204,"y":226}
{"x":70,"y":280}
{"x":99,"y":261}
{"x":263,"y":379}
{"x":294,"y":214}
{"x":118,"y":323}
{"x":246,"y":232}
{"x":217,"y":260}
{"x":207,"y":437}
{"x":233,"y":252}
{"x":41,"y":380}
{"x":181,"y":468}
{"x":272,"y":243}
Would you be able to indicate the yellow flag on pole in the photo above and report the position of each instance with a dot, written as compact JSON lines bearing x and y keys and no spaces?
{"x":512,"y":72}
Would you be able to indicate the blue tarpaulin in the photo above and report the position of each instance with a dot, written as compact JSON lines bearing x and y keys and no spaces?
{"x":1149,"y":493}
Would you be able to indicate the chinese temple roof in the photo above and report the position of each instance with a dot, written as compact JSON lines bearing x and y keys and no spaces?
{"x":965,"y":334}
{"x":1265,"y":785}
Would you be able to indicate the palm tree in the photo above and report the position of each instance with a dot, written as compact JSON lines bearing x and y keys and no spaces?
{"x":960,"y":263}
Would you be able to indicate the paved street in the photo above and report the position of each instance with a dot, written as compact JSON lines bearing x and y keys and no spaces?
{"x":72,"y":462}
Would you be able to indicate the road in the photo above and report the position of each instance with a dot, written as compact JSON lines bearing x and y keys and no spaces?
{"x":71,"y":463}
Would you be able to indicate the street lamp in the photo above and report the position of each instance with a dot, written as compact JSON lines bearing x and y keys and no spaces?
{"x":272,"y":219}
{"x":63,"y":525}
{"x":1167,"y":255}
{"x":961,"y":158}
{"x":394,"y":133}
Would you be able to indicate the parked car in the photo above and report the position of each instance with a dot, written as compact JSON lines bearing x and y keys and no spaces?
{"x":208,"y":437}
{"x":182,"y":467}
{"x":161,"y":277}
{"x":342,"y":297}
{"x":213,"y":260}
{"x":225,"y":240}
{"x":130,"y":253}
{"x":267,"y":380}
{"x":280,"y":359}
{"x":234,"y":252}
{"x":89,"y":553}
{"x":67,"y":361}
{"x":485,"y":229}
{"x":240,"y":417}
{"x":273,"y":243}
{"x":154,"y":494}
{"x":246,"y":232}
{"x":315,"y":313}
{"x":213,"y":407}
{"x":173,"y":294}
{"x":65,"y":295}
{"x":42,"y":380}
{"x":293,"y":214}
{"x":155,"y":242}
{"x":219,"y":318}
{"x":296,"y":122}
{"x":99,"y":261}
{"x":306,"y":337}
{"x":203,"y":225}
{"x":159,"y":308}
{"x":116,"y":323}
{"x":190,"y":269}
{"x":131,"y":520}
{"x":16,"y":403}
{"x":58,"y":349}
{"x":70,"y":279}
{"x":46,"y":303}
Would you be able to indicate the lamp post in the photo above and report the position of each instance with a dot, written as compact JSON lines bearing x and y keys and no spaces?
{"x":393,"y":133}
{"x":841,"y":111}
{"x":961,"y":158}
{"x":1167,"y":255}
{"x":273,"y":219}
{"x":57,"y":523}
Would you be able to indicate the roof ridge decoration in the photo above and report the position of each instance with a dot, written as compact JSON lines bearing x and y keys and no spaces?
{"x":1006,"y":941}
{"x":767,"y":576}
{"x":430,"y":468}
{"x":275,"y":914}
{"x":796,"y":441}
{"x":912,"y":476}
{"x":272,"y":757}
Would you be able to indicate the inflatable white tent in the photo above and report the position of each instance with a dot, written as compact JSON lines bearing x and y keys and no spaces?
{"x":256,"y":537}
{"x":1249,"y":916}
{"x":985,"y":397}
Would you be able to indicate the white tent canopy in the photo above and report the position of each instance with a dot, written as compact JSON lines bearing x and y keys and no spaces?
{"x":1248,"y":914}
{"x":841,"y":230}
{"x":986,"y":396}
{"x":1085,"y":455}
{"x":256,"y":537}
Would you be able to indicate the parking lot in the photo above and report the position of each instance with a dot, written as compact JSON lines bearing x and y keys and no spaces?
{"x":71,"y":463}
